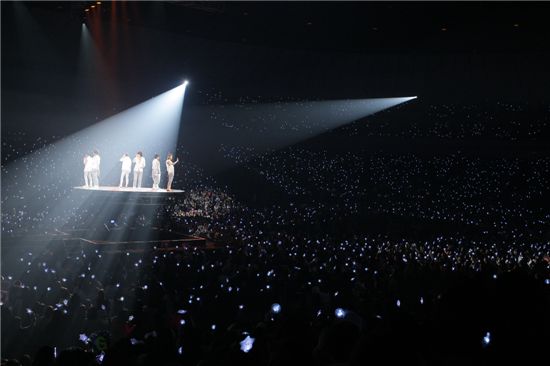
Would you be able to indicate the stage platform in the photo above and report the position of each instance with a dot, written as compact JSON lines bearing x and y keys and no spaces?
{"x":130,"y":196}
{"x":130,"y":190}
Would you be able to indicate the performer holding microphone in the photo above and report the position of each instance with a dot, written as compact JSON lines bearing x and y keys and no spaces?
{"x":170,"y":169}
{"x":139,"y":165}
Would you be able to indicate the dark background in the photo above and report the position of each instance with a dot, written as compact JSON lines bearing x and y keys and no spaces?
{"x":442,"y":52}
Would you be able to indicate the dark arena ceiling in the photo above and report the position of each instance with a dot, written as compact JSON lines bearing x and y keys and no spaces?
{"x":337,"y":26}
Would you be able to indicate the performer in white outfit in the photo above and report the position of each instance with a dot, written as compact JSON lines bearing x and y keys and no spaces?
{"x":126,"y":168}
{"x":156,"y":172}
{"x":96,"y":161}
{"x":87,"y":171}
{"x":170,"y":168}
{"x":139,"y":164}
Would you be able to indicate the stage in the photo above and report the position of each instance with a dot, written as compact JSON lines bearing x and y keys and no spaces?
{"x":130,"y":190}
{"x":130,"y":196}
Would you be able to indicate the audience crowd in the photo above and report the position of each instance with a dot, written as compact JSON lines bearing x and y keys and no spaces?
{"x":321,"y":258}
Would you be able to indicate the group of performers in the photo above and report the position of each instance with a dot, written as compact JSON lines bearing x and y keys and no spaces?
{"x":92,"y":163}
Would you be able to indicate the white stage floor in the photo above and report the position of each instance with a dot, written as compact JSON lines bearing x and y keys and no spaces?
{"x":129,"y":189}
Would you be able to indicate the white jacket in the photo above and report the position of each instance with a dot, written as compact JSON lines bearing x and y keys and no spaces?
{"x":156,"y":166}
{"x":96,"y":160}
{"x":126,"y":163}
{"x":139,"y":164}
{"x":88,"y":164}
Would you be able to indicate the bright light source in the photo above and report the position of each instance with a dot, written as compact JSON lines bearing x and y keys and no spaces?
{"x":340,"y":313}
{"x":486,"y":339}
{"x":185,"y":82}
{"x":247,"y":343}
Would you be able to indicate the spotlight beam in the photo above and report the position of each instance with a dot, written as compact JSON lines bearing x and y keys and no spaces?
{"x":287,"y":123}
{"x":151,"y":127}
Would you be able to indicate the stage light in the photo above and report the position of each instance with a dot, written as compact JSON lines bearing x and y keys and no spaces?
{"x":486,"y":339}
{"x":86,"y":10}
{"x":265,"y":131}
{"x":93,"y":6}
{"x":340,"y":313}
{"x":247,"y":344}
{"x":185,"y":82}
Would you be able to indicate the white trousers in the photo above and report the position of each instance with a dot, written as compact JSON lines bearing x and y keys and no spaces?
{"x":88,"y":179}
{"x":124,"y":175}
{"x":95,"y":178}
{"x":156,"y":180}
{"x":138,"y":176}
{"x":170,"y":179}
